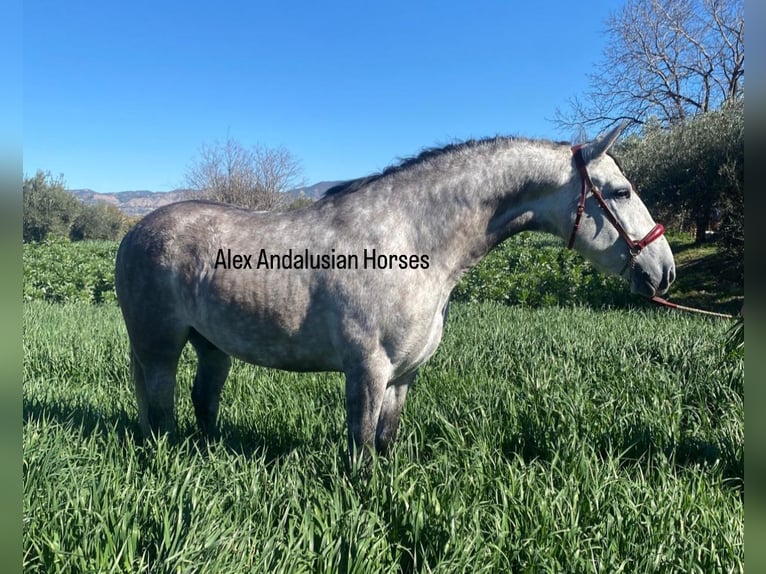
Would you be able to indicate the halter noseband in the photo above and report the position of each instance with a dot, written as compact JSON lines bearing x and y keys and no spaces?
{"x":635,"y":247}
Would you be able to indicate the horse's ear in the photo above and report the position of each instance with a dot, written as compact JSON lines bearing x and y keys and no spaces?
{"x":602,"y":143}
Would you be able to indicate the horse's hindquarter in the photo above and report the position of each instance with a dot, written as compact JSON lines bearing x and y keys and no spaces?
{"x":260,"y":314}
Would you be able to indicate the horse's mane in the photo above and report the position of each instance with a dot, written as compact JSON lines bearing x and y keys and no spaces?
{"x":424,"y":156}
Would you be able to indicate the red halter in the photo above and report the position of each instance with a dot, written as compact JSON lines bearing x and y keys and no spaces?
{"x":587,"y":185}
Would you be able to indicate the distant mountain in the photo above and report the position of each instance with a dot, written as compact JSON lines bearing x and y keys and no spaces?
{"x":141,"y":202}
{"x":314,"y":191}
{"x":134,"y":203}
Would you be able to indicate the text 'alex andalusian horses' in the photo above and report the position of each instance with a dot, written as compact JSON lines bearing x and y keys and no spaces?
{"x":359,"y":282}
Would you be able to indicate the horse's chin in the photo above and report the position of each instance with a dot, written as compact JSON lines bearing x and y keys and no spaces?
{"x":643,"y":289}
{"x":641,"y":284}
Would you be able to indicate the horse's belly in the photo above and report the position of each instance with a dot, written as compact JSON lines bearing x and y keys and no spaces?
{"x":290,"y":355}
{"x":269,"y":345}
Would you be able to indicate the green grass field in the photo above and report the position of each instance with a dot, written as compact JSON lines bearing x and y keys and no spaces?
{"x":549,"y":440}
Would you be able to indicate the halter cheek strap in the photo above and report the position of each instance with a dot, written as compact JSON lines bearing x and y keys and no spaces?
{"x":587,"y":185}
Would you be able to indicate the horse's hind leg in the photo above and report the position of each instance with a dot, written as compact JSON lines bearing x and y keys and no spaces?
{"x":154,"y":361}
{"x":212,"y":369}
{"x":139,"y":386}
{"x":155,"y":385}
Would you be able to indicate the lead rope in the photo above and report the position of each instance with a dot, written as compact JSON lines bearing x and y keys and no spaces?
{"x":665,"y":303}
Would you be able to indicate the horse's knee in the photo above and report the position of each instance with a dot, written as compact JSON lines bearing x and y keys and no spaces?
{"x":154,"y":359}
{"x":155,"y":410}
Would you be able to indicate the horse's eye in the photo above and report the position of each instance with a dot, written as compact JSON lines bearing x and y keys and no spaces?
{"x":622,"y":193}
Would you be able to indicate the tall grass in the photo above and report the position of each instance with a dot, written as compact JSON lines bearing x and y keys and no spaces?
{"x":552,"y":440}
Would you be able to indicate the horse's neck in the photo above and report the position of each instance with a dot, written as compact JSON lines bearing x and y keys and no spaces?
{"x":503,"y":193}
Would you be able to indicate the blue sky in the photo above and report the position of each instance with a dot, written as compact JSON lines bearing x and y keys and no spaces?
{"x":121,"y":95}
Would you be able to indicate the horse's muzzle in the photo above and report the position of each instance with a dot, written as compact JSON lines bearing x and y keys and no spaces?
{"x":642,"y":283}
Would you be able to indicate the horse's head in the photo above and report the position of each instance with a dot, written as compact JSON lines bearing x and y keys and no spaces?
{"x":615,"y":231}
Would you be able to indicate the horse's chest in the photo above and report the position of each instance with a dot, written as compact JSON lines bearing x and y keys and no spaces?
{"x":418,"y":344}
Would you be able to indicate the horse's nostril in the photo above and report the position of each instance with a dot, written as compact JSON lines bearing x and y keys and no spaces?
{"x":667,"y":279}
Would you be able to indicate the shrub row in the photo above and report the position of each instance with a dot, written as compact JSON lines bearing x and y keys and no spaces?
{"x":60,"y":271}
{"x":536,"y":270}
{"x":50,"y":211}
{"x":528,"y":269}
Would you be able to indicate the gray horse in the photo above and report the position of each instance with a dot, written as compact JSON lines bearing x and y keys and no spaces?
{"x":359,"y":282}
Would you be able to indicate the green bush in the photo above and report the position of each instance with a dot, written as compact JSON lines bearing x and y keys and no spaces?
{"x":50,"y":212}
{"x":693,"y":175}
{"x":99,"y":221}
{"x":48,"y":209}
{"x":59,"y":271}
{"x":536,"y":270}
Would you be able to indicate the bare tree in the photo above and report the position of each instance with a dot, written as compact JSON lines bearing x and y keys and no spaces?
{"x":664,"y":59}
{"x":255,"y":178}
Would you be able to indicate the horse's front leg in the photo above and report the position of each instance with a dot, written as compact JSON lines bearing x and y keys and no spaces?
{"x":365,"y":391}
{"x":391,"y":410}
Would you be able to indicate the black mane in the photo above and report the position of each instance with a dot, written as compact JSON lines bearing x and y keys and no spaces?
{"x":426,"y":155}
{"x":350,"y":186}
